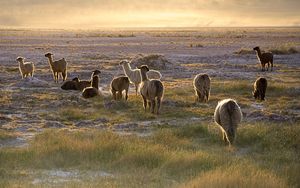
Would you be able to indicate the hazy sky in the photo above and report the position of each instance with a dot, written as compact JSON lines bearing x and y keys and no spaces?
{"x":88,"y":14}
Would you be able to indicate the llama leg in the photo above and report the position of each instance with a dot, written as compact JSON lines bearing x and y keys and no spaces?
{"x":126,"y":94}
{"x":158,"y":105}
{"x":64,"y":75}
{"x":57,"y":77}
{"x":268,"y":66}
{"x":145,"y":103}
{"x":262,"y":96}
{"x":117,"y":95}
{"x":120,"y":95}
{"x":149,"y":104}
{"x":271,"y":64}
{"x":136,"y":88}
{"x":207,"y":95}
{"x":152,"y":106}
{"x":224,"y":137}
{"x":198,"y":96}
{"x":114,"y":94}
{"x":54,"y":77}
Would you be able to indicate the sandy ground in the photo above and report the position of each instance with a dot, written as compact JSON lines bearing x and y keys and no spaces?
{"x":27,"y":105}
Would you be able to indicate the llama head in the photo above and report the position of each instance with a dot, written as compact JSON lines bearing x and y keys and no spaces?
{"x":256,"y":48}
{"x":48,"y":54}
{"x":143,"y":68}
{"x":255,"y":94}
{"x":19,"y":59}
{"x":96,"y":72}
{"x":76,"y":79}
{"x":123,"y":62}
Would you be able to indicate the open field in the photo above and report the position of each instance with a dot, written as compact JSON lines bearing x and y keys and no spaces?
{"x":50,"y":137}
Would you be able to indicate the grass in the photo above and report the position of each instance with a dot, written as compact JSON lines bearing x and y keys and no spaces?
{"x":279,"y":50}
{"x":244,"y":51}
{"x":4,"y":135}
{"x":284,"y":50}
{"x":186,"y":156}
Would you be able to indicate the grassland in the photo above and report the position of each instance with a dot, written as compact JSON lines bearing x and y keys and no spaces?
{"x":183,"y":154}
{"x":50,"y":137}
{"x":265,"y":155}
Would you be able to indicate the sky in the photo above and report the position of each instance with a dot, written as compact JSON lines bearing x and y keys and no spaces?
{"x":93,"y":14}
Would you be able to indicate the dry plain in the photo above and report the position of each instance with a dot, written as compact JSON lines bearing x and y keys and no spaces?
{"x":51,"y":137}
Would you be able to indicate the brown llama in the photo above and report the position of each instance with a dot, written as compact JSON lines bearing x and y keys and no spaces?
{"x":260,"y":87}
{"x":150,"y":90}
{"x":264,"y":58}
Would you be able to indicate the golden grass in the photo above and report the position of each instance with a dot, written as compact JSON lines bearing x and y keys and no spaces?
{"x":4,"y":134}
{"x":5,"y":97}
{"x":265,"y":155}
{"x":239,"y":175}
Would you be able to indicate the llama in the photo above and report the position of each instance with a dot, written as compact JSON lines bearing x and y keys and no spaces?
{"x":150,"y":90}
{"x":202,"y":87}
{"x":264,"y":58}
{"x":70,"y":84}
{"x":26,"y":68}
{"x":118,"y":85}
{"x":134,"y":74}
{"x":260,"y":87}
{"x":228,"y":116}
{"x":81,"y":84}
{"x":93,"y":90}
{"x":59,"y":66}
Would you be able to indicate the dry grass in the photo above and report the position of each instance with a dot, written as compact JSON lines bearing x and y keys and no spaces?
{"x":186,"y":156}
{"x":4,"y":135}
{"x":240,"y":175}
{"x":284,"y":50}
{"x":245,"y":51}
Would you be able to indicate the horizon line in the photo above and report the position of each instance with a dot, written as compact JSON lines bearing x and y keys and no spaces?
{"x":141,"y":28}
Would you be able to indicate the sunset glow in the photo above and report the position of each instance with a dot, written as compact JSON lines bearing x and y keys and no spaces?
{"x":134,"y":13}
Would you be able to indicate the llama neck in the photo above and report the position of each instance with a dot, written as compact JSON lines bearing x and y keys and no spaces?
{"x":21,"y":63}
{"x":144,"y":76}
{"x":258,"y":52}
{"x":95,"y":83}
{"x":127,"y":68}
{"x":50,"y":60}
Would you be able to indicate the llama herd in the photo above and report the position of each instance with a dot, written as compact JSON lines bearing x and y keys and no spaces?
{"x":227,"y":114}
